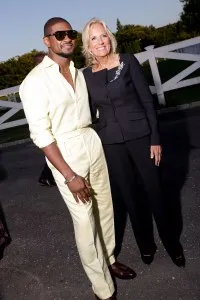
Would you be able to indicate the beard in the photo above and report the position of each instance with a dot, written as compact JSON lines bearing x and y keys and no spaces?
{"x":65,"y":55}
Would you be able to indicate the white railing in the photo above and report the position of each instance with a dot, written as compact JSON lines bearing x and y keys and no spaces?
{"x":168,"y":52}
{"x":151,"y":54}
{"x":13,"y":107}
{"x":10,"y":92}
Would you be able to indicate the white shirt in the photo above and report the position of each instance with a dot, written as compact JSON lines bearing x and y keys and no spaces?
{"x":51,"y":106}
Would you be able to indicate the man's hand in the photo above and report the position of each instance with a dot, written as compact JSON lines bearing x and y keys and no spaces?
{"x":156,"y":152}
{"x":80,"y":189}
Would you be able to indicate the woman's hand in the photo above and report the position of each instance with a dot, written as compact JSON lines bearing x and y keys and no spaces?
{"x":156,"y":153}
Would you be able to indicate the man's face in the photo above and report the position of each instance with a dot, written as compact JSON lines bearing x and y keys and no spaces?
{"x":64,"y":48}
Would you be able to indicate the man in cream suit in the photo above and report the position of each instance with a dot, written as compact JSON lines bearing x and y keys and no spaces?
{"x":55,"y":101}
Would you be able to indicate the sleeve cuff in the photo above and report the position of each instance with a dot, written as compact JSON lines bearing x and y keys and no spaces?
{"x":42,"y":141}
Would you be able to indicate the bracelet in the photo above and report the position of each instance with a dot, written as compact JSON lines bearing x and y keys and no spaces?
{"x":70,"y":180}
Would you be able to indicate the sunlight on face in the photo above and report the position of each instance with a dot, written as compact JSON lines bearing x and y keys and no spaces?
{"x":64,"y":48}
{"x":99,"y":41}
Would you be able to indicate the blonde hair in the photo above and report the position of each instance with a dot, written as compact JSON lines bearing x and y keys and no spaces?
{"x":89,"y":57}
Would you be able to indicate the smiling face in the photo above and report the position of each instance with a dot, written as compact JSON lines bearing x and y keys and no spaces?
{"x":64,"y":48}
{"x":99,"y":41}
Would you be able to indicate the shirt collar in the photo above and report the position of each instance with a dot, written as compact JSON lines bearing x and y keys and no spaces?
{"x":48,"y":62}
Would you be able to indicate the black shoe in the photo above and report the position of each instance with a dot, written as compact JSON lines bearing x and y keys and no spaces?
{"x":121,"y":271}
{"x":179,"y":260}
{"x":46,"y":181}
{"x":147,"y":258}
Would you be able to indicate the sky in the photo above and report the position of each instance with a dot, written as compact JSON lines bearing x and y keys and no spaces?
{"x":22,"y":21}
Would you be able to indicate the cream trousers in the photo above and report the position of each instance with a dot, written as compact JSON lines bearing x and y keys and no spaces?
{"x":94,"y":221}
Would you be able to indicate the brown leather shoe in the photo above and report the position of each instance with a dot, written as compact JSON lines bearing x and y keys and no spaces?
{"x":121,"y":271}
{"x":113,"y":297}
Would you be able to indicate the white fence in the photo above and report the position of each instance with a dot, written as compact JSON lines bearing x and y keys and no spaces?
{"x":172,"y":51}
{"x":11,"y":103}
{"x":168,"y":52}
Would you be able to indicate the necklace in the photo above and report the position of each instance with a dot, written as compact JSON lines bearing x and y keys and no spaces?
{"x":107,"y":64}
{"x":112,"y":61}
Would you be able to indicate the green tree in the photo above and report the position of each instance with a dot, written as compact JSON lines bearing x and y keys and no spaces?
{"x":78,"y":58}
{"x":168,"y":34}
{"x":191,"y":16}
{"x":14,"y":70}
{"x":119,"y":25}
{"x":134,"y":38}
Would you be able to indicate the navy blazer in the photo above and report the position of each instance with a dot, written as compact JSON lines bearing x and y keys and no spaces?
{"x":126,"y":106}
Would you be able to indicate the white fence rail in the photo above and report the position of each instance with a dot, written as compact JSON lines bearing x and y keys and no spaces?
{"x":172,"y":51}
{"x":13,"y":107}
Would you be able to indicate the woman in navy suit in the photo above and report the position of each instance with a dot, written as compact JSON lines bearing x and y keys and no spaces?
{"x":127,"y":127}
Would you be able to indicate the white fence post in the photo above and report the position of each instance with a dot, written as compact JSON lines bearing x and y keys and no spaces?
{"x":155,"y":74}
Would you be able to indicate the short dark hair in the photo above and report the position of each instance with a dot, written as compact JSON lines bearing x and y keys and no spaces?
{"x":52,"y":22}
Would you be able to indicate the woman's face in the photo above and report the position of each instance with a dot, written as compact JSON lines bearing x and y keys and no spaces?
{"x":99,"y":41}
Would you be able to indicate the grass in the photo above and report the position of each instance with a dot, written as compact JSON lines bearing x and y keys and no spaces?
{"x":14,"y":133}
{"x":167,"y":69}
{"x":182,"y":96}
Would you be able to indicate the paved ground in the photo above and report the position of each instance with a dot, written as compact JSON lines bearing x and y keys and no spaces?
{"x":42,"y":261}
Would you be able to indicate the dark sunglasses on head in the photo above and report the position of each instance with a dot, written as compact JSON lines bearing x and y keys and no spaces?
{"x":61,"y":34}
